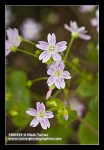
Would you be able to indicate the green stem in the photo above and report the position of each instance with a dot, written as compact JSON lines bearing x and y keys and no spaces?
{"x":56,"y":93}
{"x":68,"y":49}
{"x":39,"y":79}
{"x":88,"y":126}
{"x":29,"y":42}
{"x":20,"y":50}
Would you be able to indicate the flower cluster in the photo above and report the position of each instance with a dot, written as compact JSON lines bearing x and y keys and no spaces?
{"x":51,"y":49}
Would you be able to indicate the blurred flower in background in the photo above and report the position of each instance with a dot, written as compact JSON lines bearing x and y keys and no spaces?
{"x":9,"y":16}
{"x":86,"y":8}
{"x":78,"y":106}
{"x":95,"y":21}
{"x":30,"y":29}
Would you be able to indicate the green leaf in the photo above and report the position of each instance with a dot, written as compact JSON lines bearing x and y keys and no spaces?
{"x":87,"y":89}
{"x":19,"y":102}
{"x":86,"y":136}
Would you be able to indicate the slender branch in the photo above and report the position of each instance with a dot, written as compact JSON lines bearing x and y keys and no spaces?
{"x":38,"y":79}
{"x":20,"y":50}
{"x":88,"y":126}
{"x":56,"y":93}
{"x":68,"y":49}
{"x":29,"y":42}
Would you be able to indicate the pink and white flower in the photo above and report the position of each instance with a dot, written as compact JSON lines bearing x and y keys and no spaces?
{"x":30,"y":29}
{"x":57,"y":75}
{"x":78,"y":106}
{"x":95,"y":21}
{"x":13,"y":40}
{"x":76,"y":31}
{"x":86,"y":8}
{"x":51,"y":49}
{"x":41,"y":116}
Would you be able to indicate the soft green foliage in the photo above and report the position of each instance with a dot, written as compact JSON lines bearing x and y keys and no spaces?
{"x":92,"y":53}
{"x":57,"y":105}
{"x":86,"y":136}
{"x":87,"y":89}
{"x":17,"y":98}
{"x":57,"y":131}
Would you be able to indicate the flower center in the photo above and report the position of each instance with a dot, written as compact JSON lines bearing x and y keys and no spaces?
{"x":41,"y":114}
{"x":75,"y":34}
{"x":52,"y":48}
{"x":57,"y":73}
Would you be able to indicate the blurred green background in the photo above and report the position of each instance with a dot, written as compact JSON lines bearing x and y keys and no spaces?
{"x":83,"y":68}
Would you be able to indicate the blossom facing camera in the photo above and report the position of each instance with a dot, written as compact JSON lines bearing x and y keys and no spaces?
{"x":51,"y":49}
{"x":41,"y":116}
{"x":57,"y":75}
{"x":76,"y":31}
{"x":13,"y":40}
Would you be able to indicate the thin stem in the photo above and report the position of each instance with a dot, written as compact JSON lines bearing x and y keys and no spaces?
{"x":68,"y":49}
{"x":88,"y":126}
{"x":29,"y":42}
{"x":20,"y":50}
{"x":56,"y":93}
{"x":38,"y":79}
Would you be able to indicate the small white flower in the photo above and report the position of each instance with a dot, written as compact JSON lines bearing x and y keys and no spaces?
{"x":57,"y":75}
{"x":78,"y":106}
{"x":51,"y":48}
{"x":95,"y":21}
{"x":13,"y":40}
{"x":76,"y":31}
{"x":31,"y":29}
{"x":41,"y":116}
{"x":86,"y":8}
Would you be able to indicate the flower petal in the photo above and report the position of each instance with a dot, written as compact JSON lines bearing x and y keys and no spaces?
{"x":34,"y":122}
{"x":66,"y":75}
{"x":61,"y":49}
{"x":60,"y":65}
{"x":31,"y":112}
{"x":62,"y":83}
{"x":61,"y":44}
{"x":53,"y":38}
{"x":43,"y":43}
{"x":45,"y":56}
{"x":57,"y":83}
{"x":40,"y":106}
{"x":49,"y":114}
{"x":42,"y":46}
{"x":85,"y":37}
{"x":81,"y":29}
{"x":49,"y":38}
{"x":56,"y":57}
{"x":68,"y":28}
{"x":50,"y":71}
{"x":7,"y":47}
{"x":45,"y":123}
{"x":51,"y":80}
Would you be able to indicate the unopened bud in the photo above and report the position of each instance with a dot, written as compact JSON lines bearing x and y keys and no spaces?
{"x":48,"y":94}
{"x":65,"y":117}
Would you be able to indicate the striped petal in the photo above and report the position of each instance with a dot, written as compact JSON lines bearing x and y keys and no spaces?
{"x":56,"y":57}
{"x":31,"y":112}
{"x":66,"y":75}
{"x":45,"y":123}
{"x":34,"y":122}
{"x":51,"y":80}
